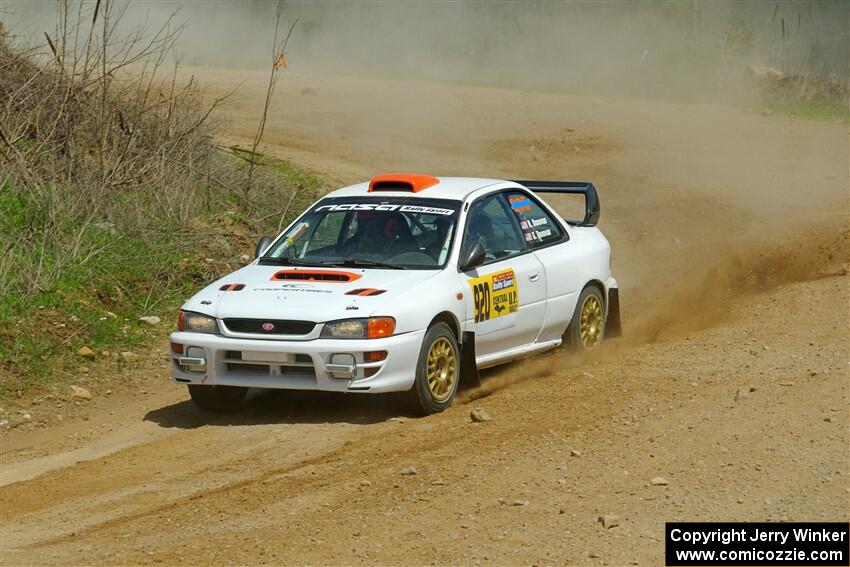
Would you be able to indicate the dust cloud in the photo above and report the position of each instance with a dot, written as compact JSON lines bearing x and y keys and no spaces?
{"x":704,"y":299}
{"x":675,"y":50}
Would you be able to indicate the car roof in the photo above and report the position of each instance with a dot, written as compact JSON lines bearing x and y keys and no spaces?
{"x":427,"y":188}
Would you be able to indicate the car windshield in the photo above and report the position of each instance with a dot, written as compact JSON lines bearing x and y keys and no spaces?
{"x":387,"y":233}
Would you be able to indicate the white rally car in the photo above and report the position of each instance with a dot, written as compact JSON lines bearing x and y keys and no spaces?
{"x":407,"y":283}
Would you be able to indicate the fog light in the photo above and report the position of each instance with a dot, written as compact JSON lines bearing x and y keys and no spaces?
{"x":177,"y":347}
{"x":196,"y":352}
{"x":194,"y":361}
{"x":343,"y":365}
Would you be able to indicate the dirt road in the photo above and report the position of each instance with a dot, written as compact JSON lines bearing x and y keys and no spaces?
{"x":730,"y":240}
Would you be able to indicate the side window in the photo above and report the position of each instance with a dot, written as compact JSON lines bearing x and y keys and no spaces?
{"x":490,"y":223}
{"x":537,"y":225}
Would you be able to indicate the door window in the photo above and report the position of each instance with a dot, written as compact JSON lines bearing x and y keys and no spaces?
{"x":491,"y":223}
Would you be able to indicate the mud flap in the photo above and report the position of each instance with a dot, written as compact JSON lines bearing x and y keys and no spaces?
{"x":469,"y":377}
{"x":612,"y":323}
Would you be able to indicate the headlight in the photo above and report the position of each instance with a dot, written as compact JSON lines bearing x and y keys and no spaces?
{"x":196,"y":323}
{"x":373,"y":328}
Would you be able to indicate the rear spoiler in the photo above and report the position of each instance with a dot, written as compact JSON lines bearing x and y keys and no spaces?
{"x":591,"y":199}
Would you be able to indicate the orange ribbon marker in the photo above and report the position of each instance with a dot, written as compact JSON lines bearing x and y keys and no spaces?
{"x":281,"y":61}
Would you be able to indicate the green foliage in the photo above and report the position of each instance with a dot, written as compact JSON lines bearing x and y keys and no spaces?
{"x":824,"y":110}
{"x":115,"y":202}
{"x":129,"y":274}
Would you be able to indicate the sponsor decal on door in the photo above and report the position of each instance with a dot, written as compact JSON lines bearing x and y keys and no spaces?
{"x":494,"y":295}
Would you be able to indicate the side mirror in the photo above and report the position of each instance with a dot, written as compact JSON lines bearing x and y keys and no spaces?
{"x":261,"y":246}
{"x":474,"y":258}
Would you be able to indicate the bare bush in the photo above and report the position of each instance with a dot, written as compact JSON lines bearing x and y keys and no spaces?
{"x":95,"y":135}
{"x":277,"y":64}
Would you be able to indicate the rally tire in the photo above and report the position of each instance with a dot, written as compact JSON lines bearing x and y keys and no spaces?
{"x":437,"y":371}
{"x":218,"y":399}
{"x":587,"y":326}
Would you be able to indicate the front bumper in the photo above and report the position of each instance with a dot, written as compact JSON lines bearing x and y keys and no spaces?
{"x":297,"y":365}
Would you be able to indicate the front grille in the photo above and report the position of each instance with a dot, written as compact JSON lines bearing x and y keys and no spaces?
{"x":236,"y":355}
{"x":262,"y":369}
{"x":298,"y":368}
{"x":279,"y":326}
{"x":248,"y":368}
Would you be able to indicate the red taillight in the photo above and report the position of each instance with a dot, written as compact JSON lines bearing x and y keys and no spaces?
{"x":380,"y":327}
{"x":177,"y":347}
{"x":181,"y":321}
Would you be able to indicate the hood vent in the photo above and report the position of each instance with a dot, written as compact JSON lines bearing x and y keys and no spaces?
{"x":232,"y":287}
{"x":315,"y":276}
{"x":365,"y":291}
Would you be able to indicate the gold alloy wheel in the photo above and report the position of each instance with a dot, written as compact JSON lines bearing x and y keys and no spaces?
{"x":590,"y":324}
{"x":442,"y":369}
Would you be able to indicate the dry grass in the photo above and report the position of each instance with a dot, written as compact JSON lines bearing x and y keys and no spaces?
{"x":113,"y":196}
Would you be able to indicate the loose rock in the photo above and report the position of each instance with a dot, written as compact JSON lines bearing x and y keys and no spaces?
{"x":479,"y":415}
{"x":742,"y":394}
{"x":128,"y":356}
{"x":150,"y":320}
{"x":575,"y":453}
{"x":520,"y":503}
{"x":408,"y":471}
{"x":365,"y":482}
{"x":86,"y":352}
{"x":80,"y":393}
{"x":659,"y":481}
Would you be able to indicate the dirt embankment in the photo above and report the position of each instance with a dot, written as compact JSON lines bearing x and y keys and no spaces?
{"x":730,"y":244}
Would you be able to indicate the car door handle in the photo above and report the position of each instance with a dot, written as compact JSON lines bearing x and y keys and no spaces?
{"x":534,"y":276}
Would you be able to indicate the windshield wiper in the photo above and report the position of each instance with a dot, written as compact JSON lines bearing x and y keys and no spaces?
{"x":358,"y":262}
{"x":292,"y":261}
{"x":363,"y":263}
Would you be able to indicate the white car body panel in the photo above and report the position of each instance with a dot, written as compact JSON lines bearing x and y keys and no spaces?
{"x":548,"y":281}
{"x":518,"y":329}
